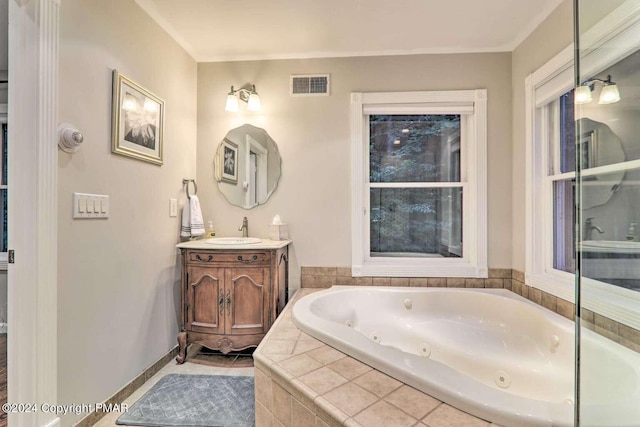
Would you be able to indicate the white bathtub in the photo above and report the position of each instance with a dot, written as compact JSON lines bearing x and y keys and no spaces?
{"x":488,"y":352}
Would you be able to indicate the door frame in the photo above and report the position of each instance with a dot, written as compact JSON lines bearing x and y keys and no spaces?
{"x":33,"y":220}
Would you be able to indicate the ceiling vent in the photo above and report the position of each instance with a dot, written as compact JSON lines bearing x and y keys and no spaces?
{"x":310,"y":85}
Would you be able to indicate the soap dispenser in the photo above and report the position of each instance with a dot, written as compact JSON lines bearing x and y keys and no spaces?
{"x":631,"y":233}
{"x":210,"y":231}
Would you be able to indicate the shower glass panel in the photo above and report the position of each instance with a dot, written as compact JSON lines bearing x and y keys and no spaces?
{"x":607,"y":216}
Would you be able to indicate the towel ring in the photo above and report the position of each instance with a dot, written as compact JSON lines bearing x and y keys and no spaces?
{"x":186,"y":182}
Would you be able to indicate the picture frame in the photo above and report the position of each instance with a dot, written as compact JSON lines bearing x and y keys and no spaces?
{"x":228,"y":162}
{"x":137,"y":125}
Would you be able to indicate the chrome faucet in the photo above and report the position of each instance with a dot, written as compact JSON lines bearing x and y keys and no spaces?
{"x":245,"y":227}
{"x":588,"y":229}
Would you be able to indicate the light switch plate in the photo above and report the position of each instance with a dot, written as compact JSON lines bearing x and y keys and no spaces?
{"x":90,"y":206}
{"x":173,"y":208}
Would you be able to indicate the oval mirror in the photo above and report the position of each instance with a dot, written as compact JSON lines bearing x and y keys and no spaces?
{"x":247,"y":166}
{"x":599,"y":146}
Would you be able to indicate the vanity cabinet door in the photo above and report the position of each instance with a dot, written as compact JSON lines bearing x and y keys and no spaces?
{"x":247,"y":297}
{"x":205,"y":300}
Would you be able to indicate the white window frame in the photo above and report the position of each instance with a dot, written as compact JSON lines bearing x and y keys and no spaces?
{"x":472,"y":106}
{"x":618,"y":31}
{"x":3,"y":120}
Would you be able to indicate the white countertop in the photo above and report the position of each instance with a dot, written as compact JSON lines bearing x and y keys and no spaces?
{"x":264,"y":244}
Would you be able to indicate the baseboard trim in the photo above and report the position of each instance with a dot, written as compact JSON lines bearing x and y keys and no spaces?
{"x":126,"y":391}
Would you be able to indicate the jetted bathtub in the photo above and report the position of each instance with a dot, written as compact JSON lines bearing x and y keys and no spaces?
{"x":488,"y":352}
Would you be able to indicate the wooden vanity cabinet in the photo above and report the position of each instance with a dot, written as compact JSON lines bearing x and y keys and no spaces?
{"x":230,"y":298}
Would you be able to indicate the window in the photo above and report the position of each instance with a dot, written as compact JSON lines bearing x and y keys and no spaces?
{"x":419,"y":184}
{"x":610,"y":166}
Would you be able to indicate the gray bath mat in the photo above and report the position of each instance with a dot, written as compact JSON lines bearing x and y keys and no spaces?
{"x":179,"y":400}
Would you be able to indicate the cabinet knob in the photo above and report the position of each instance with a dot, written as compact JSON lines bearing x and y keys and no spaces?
{"x":228,"y":300}
{"x":248,"y":261}
{"x":209,"y":258}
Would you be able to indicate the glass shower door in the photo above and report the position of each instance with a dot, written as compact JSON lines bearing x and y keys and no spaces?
{"x":607,"y":117}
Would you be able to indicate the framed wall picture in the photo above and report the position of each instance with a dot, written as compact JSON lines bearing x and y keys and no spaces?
{"x":229,"y":162}
{"x":137,"y":121}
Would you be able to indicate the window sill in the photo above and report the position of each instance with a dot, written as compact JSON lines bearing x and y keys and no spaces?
{"x":616,"y":303}
{"x":411,"y":268}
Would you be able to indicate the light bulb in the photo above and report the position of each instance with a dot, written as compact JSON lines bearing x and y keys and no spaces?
{"x":609,"y":94}
{"x":253,"y":104}
{"x":583,"y":95}
{"x":232,"y":103}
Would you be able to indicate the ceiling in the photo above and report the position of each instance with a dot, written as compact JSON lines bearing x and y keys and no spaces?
{"x":232,"y":30}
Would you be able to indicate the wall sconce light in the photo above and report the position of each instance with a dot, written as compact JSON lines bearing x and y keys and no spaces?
{"x":247,"y":94}
{"x":608,"y":95}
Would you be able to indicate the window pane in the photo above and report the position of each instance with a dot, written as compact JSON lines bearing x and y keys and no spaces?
{"x":3,"y":221}
{"x":414,"y":148}
{"x":611,"y":232}
{"x":567,"y":133}
{"x":563,"y":233}
{"x":416,"y":222}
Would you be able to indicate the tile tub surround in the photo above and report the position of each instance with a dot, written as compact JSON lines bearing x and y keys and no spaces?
{"x":301,"y":381}
{"x":513,"y":280}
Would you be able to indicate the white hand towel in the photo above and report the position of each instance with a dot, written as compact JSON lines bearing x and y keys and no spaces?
{"x":195,"y":214}
{"x":185,"y":226}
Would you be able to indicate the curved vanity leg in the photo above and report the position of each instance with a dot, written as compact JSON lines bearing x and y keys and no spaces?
{"x":182,"y":348}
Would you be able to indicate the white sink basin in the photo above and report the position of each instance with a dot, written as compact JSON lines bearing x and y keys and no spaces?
{"x":610,"y":246}
{"x":233,"y":240}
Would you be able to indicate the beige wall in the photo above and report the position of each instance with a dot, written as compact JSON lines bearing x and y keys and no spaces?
{"x":553,"y":35}
{"x":118,"y":279}
{"x":313,"y":135}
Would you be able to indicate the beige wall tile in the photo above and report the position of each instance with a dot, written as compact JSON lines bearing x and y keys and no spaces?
{"x":629,"y":334}
{"x":384,"y":414}
{"x":305,"y":344}
{"x":318,"y":271}
{"x":281,"y":405}
{"x":474,"y":283}
{"x":437,"y":282}
{"x":323,"y":380}
{"x":518,"y":275}
{"x":524,"y":291}
{"x":343,"y":271}
{"x":508,"y":283}
{"x":320,"y":423}
{"x":363,"y":281}
{"x":494,"y":283}
{"x":349,"y":368}
{"x":399,"y":281}
{"x":607,"y":327}
{"x":300,"y":365}
{"x":455,"y":282}
{"x":278,"y":347}
{"x":535,"y":295}
{"x":381,"y":281}
{"x":447,"y":416}
{"x":377,"y":383}
{"x":281,"y":333}
{"x":500,"y":273}
{"x":326,"y":354}
{"x":345,"y":281}
{"x":418,"y":281}
{"x":565,"y":308}
{"x":263,"y":416}
{"x":412,"y":401}
{"x":263,"y":388}
{"x":549,"y":301}
{"x":317,"y":281}
{"x":301,"y":416}
{"x":630,"y":344}
{"x":350,"y":398}
{"x":329,"y":413}
{"x":587,"y":315}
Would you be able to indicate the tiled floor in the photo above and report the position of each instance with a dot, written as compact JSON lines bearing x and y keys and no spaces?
{"x":199,"y":368}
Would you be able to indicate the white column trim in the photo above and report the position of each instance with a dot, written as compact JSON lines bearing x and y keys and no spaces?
{"x":33,"y":224}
